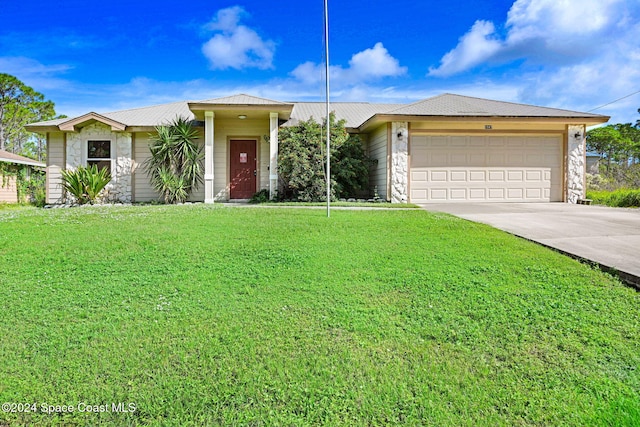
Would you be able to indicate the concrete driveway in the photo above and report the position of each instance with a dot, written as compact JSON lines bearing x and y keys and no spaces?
{"x":607,"y":236}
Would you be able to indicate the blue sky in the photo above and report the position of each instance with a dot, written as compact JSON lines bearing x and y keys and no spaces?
{"x":96,"y":56}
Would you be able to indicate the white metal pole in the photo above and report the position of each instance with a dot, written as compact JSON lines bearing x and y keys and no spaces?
{"x":328,"y":124}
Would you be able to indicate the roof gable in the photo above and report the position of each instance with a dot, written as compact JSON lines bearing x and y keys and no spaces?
{"x":73,"y":124}
{"x":241,"y":99}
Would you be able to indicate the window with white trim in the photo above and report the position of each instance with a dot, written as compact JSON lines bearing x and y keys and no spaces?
{"x":99,"y":154}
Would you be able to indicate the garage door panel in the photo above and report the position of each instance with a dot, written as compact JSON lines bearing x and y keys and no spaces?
{"x":458,"y":194}
{"x":515,"y":175}
{"x":477,"y":176}
{"x":533,"y":175}
{"x":477,"y":194}
{"x":419,"y":194}
{"x":458,"y":159}
{"x":496,"y":193}
{"x":458,"y":141}
{"x":497,"y":141}
{"x":496,"y":175}
{"x":496,"y":159}
{"x":439,"y":159}
{"x":477,"y":159}
{"x":495,"y":168}
{"x":515,"y":142}
{"x":515,"y":193}
{"x":438,"y":141}
{"x":479,"y":141}
{"x":438,"y":176}
{"x":534,"y":193}
{"x":458,"y":176}
{"x":419,"y":176}
{"x":439,"y":194}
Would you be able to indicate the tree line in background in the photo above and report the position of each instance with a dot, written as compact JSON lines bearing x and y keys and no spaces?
{"x":19,"y":106}
{"x":618,"y":146}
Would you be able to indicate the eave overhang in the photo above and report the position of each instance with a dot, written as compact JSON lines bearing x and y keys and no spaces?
{"x":378,"y":119}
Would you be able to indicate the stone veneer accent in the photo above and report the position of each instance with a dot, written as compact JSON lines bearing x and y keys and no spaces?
{"x":119,"y":189}
{"x":399,"y":162}
{"x":576,"y":163}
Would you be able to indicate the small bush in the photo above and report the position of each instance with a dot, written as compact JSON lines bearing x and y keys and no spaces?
{"x":33,"y":189}
{"x":261,"y":196}
{"x":85,"y":183}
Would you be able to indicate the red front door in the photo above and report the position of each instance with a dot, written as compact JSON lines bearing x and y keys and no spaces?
{"x":243,"y":169}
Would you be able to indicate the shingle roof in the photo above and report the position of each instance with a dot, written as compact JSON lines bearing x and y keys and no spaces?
{"x":152,"y":116}
{"x":145,"y":116}
{"x":8,"y":157}
{"x":465,"y":106}
{"x":354,"y":113}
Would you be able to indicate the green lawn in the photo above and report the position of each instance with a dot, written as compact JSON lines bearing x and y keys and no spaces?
{"x":198,"y":315}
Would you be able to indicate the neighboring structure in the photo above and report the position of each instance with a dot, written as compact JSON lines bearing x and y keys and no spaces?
{"x":8,"y":184}
{"x":593,"y":163}
{"x":448,"y":148}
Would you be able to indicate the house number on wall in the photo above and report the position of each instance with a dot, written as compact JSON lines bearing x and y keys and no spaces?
{"x":243,"y":157}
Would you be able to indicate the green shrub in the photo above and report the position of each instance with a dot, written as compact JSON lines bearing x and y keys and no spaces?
{"x":32,"y":187}
{"x":302,"y":162}
{"x":176,"y":163}
{"x":622,"y":198}
{"x":85,"y":183}
{"x":261,"y":196}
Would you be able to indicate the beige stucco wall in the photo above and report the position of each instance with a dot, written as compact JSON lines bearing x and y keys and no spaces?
{"x":377,"y":148}
{"x":55,"y":164}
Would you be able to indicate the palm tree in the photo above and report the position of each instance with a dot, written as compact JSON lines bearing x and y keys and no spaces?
{"x":175,"y":165}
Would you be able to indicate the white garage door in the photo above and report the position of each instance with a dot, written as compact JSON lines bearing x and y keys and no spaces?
{"x":485,"y":169}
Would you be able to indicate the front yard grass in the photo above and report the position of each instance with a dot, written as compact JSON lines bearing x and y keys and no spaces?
{"x":200,"y":315}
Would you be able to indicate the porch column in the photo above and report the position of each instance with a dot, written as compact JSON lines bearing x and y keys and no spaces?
{"x":399,"y":162}
{"x":576,"y":163}
{"x":208,"y":157}
{"x":273,"y":154}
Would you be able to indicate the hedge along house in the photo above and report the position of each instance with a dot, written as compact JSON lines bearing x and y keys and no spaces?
{"x":448,"y":148}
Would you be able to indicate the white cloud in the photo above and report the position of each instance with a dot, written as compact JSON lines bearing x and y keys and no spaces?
{"x":574,"y":54}
{"x":541,"y":31}
{"x":368,"y":65}
{"x":375,"y":62}
{"x":235,"y":45}
{"x":474,"y":47}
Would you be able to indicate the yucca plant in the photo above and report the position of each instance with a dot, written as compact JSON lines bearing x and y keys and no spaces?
{"x":175,"y":165}
{"x":85,"y":183}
